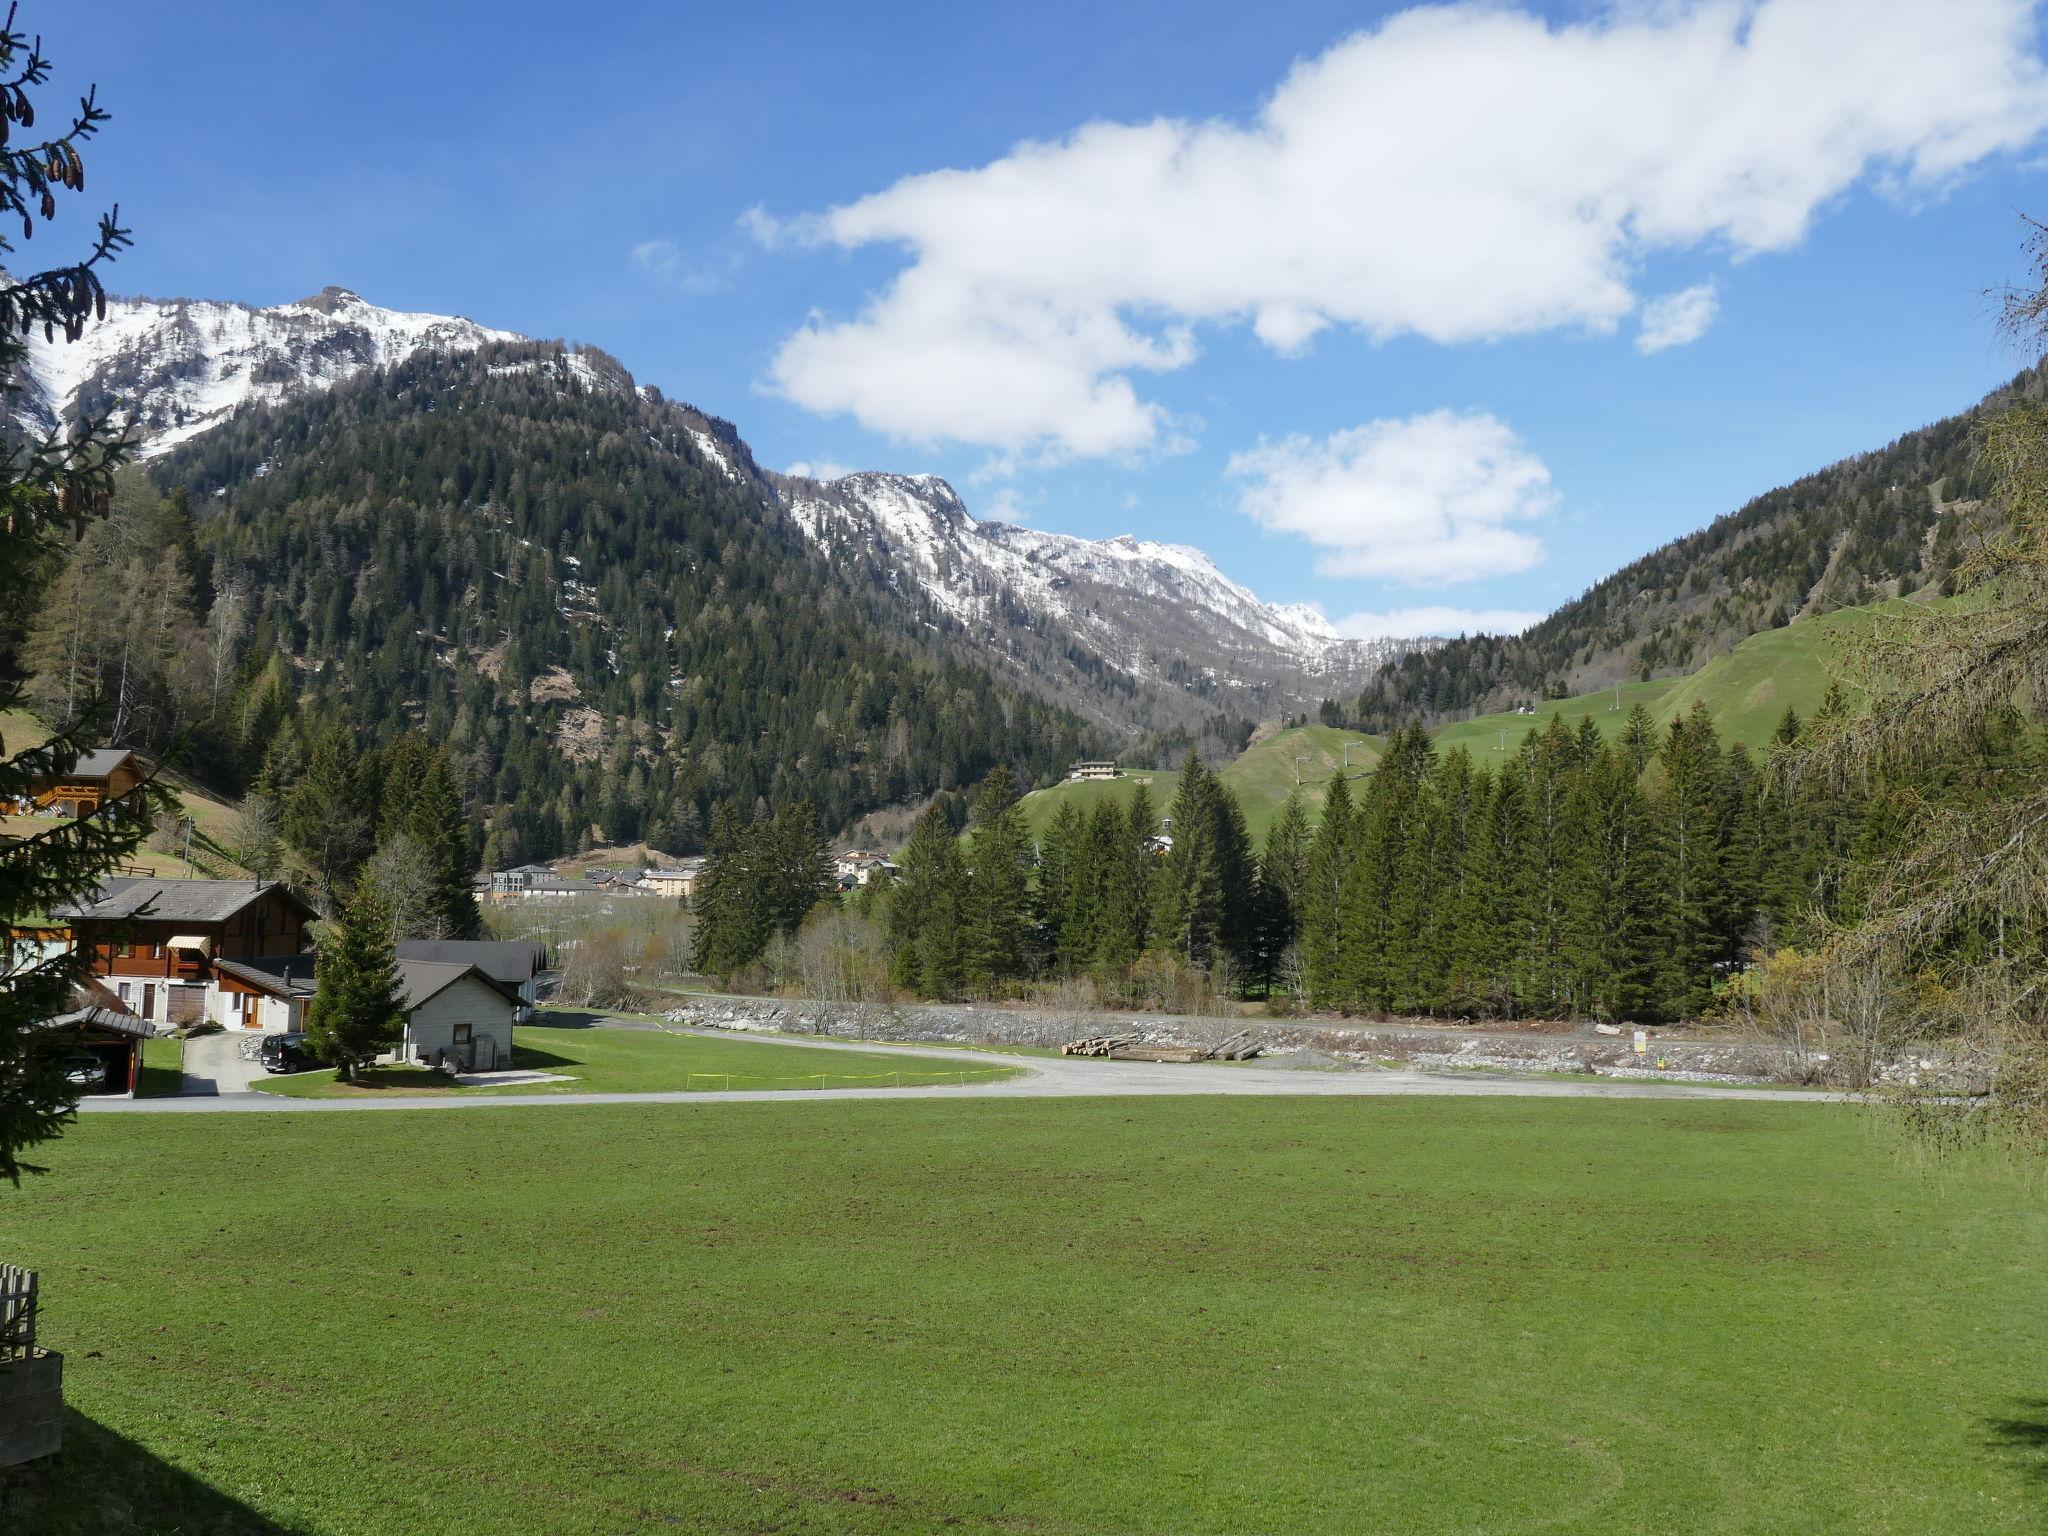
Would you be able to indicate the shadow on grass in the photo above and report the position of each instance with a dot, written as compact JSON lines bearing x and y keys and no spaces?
{"x":2023,"y":1436}
{"x":159,"y":1082}
{"x":553,"y":1017}
{"x":104,"y":1484}
{"x":526,"y":1059}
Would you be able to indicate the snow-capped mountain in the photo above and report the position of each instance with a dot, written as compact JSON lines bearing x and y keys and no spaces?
{"x":174,"y":367}
{"x":1158,"y":612}
{"x":1140,"y":634}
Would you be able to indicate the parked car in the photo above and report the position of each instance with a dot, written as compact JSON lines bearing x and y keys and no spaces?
{"x":84,"y":1071}
{"x":286,"y":1053}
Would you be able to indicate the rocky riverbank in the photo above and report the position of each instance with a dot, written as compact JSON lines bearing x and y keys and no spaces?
{"x":1728,"y":1058}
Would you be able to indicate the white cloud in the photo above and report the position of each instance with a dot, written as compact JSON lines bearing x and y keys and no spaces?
{"x":664,"y":260}
{"x":1442,"y":623}
{"x":1461,"y":172}
{"x":819,"y":469}
{"x":1423,"y":499}
{"x":1677,"y":318}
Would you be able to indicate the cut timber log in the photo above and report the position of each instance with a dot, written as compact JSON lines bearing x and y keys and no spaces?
{"x":1239,"y":1047}
{"x":1159,"y":1053}
{"x":1098,"y":1045}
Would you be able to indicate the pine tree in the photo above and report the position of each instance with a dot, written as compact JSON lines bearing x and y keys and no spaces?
{"x":357,"y":1010}
{"x":1188,"y":904}
{"x":51,"y":490}
{"x":1281,"y":890}
{"x":924,"y":911}
{"x":435,"y":823}
{"x":1124,"y":929}
{"x":998,"y":894}
{"x":329,"y":818}
{"x":1613,"y":899}
{"x":1322,"y":922}
{"x":1695,"y":857}
{"x":1062,"y":870}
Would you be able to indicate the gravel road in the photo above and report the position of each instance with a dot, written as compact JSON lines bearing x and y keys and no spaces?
{"x":1038,"y":1077}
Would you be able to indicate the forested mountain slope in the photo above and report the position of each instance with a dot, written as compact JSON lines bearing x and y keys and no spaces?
{"x":582,"y":588}
{"x":1881,"y":524}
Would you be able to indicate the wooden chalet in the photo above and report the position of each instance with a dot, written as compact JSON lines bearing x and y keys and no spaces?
{"x":178,"y":951}
{"x":97,"y":777}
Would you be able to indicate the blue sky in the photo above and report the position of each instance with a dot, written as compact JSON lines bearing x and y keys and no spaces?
{"x":1361,"y":301}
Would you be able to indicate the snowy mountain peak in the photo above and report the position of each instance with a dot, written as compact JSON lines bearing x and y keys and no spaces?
{"x":175,"y":367}
{"x":1156,"y":610}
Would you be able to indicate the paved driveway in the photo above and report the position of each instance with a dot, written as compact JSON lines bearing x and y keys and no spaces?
{"x":214,"y":1065}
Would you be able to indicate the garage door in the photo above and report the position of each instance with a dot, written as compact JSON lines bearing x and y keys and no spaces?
{"x":187,"y":1004}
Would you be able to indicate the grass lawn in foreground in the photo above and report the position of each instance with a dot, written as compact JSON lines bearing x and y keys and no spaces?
{"x":163,"y":1067}
{"x":599,"y":1060}
{"x":1054,"y":1316}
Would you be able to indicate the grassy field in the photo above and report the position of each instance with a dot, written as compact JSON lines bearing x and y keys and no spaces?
{"x":645,"y":1061}
{"x":163,"y":1067}
{"x":1100,"y":1317}
{"x":1746,"y":691}
{"x":1262,"y":777}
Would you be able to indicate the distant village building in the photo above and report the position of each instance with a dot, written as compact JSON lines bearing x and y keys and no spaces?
{"x":679,"y":880}
{"x":509,"y":882}
{"x":1094,"y":771}
{"x":853,"y":870}
{"x":534,"y":882}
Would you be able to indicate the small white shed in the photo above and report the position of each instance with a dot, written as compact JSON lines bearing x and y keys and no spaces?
{"x":457,"y":1016}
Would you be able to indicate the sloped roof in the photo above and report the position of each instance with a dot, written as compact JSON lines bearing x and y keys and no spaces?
{"x":279,"y":975}
{"x":511,"y":961}
{"x":99,"y":762}
{"x":422,"y":980}
{"x":201,"y":901}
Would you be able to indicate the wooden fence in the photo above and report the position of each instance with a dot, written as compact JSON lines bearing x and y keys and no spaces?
{"x":17,"y":1313}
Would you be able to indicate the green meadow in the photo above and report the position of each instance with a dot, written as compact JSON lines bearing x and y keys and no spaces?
{"x":1211,"y":1316}
{"x":1746,"y":692}
{"x":599,"y":1060}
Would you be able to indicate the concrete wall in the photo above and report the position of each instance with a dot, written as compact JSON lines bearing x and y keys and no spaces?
{"x":430,"y":1028}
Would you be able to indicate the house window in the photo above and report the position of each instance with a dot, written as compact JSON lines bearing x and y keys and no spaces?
{"x":128,"y":995}
{"x":462,"y":1034}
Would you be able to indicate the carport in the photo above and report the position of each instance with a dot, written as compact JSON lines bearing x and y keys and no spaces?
{"x":115,"y":1038}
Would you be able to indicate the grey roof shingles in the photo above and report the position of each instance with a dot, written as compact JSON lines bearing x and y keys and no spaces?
{"x":98,"y":763}
{"x":422,"y":979}
{"x":511,"y":961}
{"x":198,"y":901}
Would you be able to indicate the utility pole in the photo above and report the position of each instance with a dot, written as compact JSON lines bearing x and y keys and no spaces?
{"x":1297,"y":771}
{"x":188,"y":847}
{"x":1503,"y":738}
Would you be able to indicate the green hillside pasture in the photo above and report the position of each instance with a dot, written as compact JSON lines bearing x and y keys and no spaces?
{"x":1203,"y":1316}
{"x":1746,"y":691}
{"x":1262,"y":777}
{"x":1493,"y":738}
{"x":595,"y":1059}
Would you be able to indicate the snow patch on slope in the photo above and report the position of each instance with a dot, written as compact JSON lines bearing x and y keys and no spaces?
{"x":172,"y":368}
{"x":919,"y":531}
